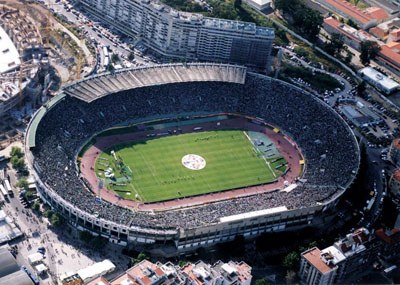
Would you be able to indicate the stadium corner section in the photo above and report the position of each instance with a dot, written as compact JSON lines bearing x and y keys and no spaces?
{"x":185,"y":238}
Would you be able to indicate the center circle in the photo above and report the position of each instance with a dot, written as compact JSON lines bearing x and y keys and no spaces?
{"x":193,"y":162}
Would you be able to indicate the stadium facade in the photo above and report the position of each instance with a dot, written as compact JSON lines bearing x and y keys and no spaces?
{"x":187,"y":36}
{"x":60,"y":128}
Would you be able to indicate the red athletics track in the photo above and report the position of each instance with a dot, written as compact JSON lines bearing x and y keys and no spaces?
{"x":285,"y":147}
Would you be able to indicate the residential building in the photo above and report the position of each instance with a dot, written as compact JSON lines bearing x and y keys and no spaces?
{"x":317,"y":268}
{"x":390,"y":243}
{"x":394,"y":184}
{"x":394,"y":152}
{"x":175,"y":34}
{"x":345,"y":258}
{"x":148,"y":273}
{"x":364,"y":18}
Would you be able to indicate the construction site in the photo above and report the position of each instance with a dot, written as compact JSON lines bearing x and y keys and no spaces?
{"x":39,"y":52}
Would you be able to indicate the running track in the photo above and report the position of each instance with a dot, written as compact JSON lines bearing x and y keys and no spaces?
{"x":285,"y":147}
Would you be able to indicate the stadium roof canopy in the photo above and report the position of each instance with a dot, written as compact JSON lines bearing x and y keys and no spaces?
{"x":97,"y":86}
{"x":9,"y":56}
{"x":18,"y":277}
{"x":8,"y":264}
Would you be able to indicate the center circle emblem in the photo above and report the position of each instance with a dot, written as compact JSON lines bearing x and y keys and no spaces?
{"x":193,"y":162}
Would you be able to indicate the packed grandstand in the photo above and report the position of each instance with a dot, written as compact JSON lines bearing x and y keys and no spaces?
{"x":65,"y":124}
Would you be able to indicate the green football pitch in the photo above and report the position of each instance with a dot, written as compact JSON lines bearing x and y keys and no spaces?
{"x":152,"y":170}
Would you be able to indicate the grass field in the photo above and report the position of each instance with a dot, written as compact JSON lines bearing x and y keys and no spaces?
{"x":154,"y":171}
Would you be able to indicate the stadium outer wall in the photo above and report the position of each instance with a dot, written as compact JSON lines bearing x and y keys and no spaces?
{"x":181,"y":239}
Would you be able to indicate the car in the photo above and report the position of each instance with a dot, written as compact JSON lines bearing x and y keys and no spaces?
{"x":41,"y":249}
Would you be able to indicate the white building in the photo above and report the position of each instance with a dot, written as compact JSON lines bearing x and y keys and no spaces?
{"x":9,"y":55}
{"x":379,"y":80}
{"x":260,"y":4}
{"x":190,"y":36}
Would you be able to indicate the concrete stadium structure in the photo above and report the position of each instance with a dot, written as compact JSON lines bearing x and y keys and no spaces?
{"x":62,"y":126}
{"x":188,"y":36}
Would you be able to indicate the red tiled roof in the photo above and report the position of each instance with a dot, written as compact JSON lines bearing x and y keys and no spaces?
{"x":350,"y":10}
{"x":377,"y":13}
{"x":313,"y":256}
{"x":394,"y":236}
{"x":388,"y":52}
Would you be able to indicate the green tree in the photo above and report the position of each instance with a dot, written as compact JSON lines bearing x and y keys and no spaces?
{"x":353,"y":24}
{"x":16,"y":151}
{"x":18,"y":163}
{"x":368,"y":51}
{"x":115,"y":57}
{"x":141,"y":256}
{"x":29,"y":195}
{"x":335,"y":45}
{"x":262,"y":281}
{"x":23,"y":183}
{"x":131,"y":56}
{"x":56,"y":220}
{"x":291,"y":260}
{"x":36,"y":205}
{"x":348,"y":58}
{"x":48,"y":213}
{"x":237,"y":4}
{"x":85,"y":236}
{"x":110,"y":68}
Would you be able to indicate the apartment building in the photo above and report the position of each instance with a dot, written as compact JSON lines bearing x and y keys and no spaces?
{"x":175,"y":34}
{"x":345,"y":258}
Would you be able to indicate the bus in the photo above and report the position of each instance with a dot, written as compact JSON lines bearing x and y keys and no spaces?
{"x":3,"y":191}
{"x":8,"y":187}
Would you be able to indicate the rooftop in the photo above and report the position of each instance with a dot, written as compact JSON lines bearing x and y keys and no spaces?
{"x":9,"y":55}
{"x":350,"y":10}
{"x":380,"y":78}
{"x":313,"y":256}
{"x":396,"y":174}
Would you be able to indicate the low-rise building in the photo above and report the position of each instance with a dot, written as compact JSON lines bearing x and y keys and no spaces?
{"x":148,"y":273}
{"x":365,"y":18}
{"x":379,"y":80}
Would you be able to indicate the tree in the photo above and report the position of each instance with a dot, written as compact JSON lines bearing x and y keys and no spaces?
{"x":18,"y":163}
{"x":335,"y":45}
{"x":16,"y":151}
{"x":85,"y":236}
{"x":29,"y":195}
{"x":23,"y":183}
{"x":36,"y":205}
{"x":131,"y":56}
{"x":56,"y":220}
{"x":237,"y":4}
{"x":353,"y":24}
{"x":48,"y":213}
{"x":262,"y":281}
{"x":115,"y":57}
{"x":368,"y":51}
{"x":348,"y":58}
{"x":291,"y":260}
{"x":141,"y":256}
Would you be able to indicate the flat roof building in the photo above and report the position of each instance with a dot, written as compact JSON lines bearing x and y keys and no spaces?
{"x":379,"y":80}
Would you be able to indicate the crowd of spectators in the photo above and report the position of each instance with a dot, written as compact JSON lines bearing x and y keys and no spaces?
{"x":330,"y":150}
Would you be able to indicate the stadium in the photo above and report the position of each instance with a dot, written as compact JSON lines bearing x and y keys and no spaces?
{"x":76,"y":131}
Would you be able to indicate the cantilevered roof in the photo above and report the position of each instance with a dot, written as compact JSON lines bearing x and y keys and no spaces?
{"x":18,"y":277}
{"x":95,"y":87}
{"x":8,"y":264}
{"x":9,"y":56}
